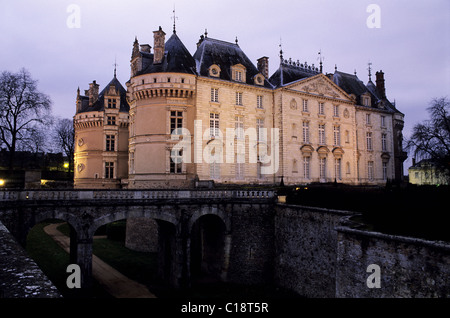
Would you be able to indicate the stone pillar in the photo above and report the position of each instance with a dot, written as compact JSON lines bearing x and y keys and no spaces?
{"x":226,"y":257}
{"x":81,"y":254}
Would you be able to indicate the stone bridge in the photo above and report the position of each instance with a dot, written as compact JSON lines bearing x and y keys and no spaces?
{"x":228,"y":233}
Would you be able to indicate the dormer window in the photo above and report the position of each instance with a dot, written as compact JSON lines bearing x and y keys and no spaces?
{"x":365,"y":99}
{"x":238,"y":73}
{"x":214,"y":70}
{"x":259,"y":79}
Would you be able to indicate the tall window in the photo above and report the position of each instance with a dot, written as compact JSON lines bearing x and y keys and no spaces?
{"x":239,"y":126}
{"x":306,"y":132}
{"x":240,"y":164}
{"x":214,"y":124}
{"x":336,"y":110}
{"x":321,"y":108}
{"x":238,"y":76}
{"x":369,"y":141}
{"x":370,"y":175}
{"x":132,"y":162}
{"x":338,"y":168}
{"x":215,"y":95}
{"x":306,"y":167}
{"x":239,"y":98}
{"x":368,"y":119}
{"x":111,"y":103}
{"x":109,"y":170}
{"x":322,"y":134}
{"x":214,"y":170}
{"x":305,"y":105}
{"x":176,"y":161}
{"x":337,"y":135}
{"x":259,"y":101}
{"x":383,"y":121}
{"x":322,"y":168}
{"x":110,"y":142}
{"x":385,"y":167}
{"x":259,"y":129}
{"x":176,"y":120}
{"x":383,"y":142}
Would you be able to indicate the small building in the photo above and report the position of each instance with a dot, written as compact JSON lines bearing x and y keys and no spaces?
{"x":426,"y":172}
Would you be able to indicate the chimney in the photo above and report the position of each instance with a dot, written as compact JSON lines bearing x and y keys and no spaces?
{"x":146,"y":48}
{"x":263,"y":66}
{"x":380,"y":84}
{"x":159,"y":40}
{"x":93,"y":93}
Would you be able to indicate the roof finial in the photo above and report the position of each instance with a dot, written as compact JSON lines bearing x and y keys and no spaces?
{"x":370,"y":70}
{"x":174,"y":19}
{"x":236,"y":41}
{"x":281,"y":50}
{"x":335,"y":67}
{"x":115,"y":66}
{"x":206,"y":33}
{"x":355,"y":72}
{"x":321,"y":59}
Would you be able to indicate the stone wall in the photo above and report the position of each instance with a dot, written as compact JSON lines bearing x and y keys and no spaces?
{"x":306,"y":249}
{"x":20,"y":277}
{"x":409,"y":267}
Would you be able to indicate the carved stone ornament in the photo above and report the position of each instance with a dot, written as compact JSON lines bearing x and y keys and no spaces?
{"x":80,"y":142}
{"x":346,"y":113}
{"x":80,"y":167}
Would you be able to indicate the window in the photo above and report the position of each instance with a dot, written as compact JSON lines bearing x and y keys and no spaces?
{"x":110,"y":142}
{"x":385,"y":165}
{"x":109,"y":170}
{"x":215,"y":95}
{"x":338,"y":168}
{"x":321,"y":108}
{"x":322,"y":168}
{"x":259,"y":101}
{"x":175,"y":161}
{"x":306,"y":167}
{"x":370,"y":170}
{"x":305,"y":105}
{"x":111,"y":103}
{"x":347,"y":136}
{"x":214,"y":170}
{"x":368,"y":119}
{"x":366,"y":101}
{"x":240,"y":164}
{"x":260,"y":130}
{"x":383,"y":142}
{"x":111,"y":120}
{"x":337,"y":135}
{"x":306,"y":132}
{"x":383,"y":121}
{"x":239,"y":98}
{"x":369,"y":141}
{"x":322,"y":134}
{"x":238,"y":76}
{"x":214,"y":124}
{"x":176,"y":120}
{"x":239,"y":126}
{"x":336,"y":110}
{"x":132,"y":162}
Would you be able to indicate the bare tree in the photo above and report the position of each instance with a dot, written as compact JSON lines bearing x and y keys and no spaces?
{"x":431,"y":138}
{"x":64,"y":138}
{"x":22,"y":109}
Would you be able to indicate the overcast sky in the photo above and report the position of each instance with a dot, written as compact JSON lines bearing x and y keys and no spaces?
{"x":410,"y":41}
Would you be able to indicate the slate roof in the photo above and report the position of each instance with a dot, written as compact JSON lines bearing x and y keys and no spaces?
{"x":177,"y":59}
{"x":288,"y":73}
{"x":99,"y":105}
{"x":224,"y":54}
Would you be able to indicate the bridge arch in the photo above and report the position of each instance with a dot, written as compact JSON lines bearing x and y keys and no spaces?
{"x":210,"y":210}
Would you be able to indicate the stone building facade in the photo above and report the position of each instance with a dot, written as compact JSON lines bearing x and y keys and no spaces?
{"x":214,"y":115}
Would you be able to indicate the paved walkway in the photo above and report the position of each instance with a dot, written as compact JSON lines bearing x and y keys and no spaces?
{"x":115,"y":283}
